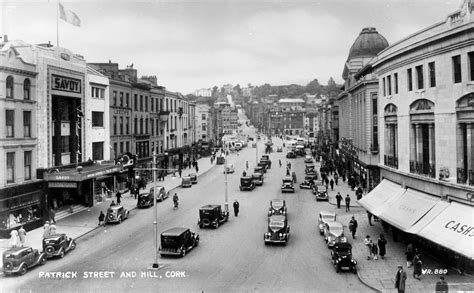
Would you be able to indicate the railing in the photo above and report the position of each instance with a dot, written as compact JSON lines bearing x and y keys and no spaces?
{"x":423,"y":168}
{"x":391,"y":161}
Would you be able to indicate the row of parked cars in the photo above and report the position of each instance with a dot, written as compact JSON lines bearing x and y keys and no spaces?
{"x":256,"y":179}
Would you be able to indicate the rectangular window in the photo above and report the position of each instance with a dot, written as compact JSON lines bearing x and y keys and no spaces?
{"x":121,"y":147}
{"x":116,"y":154}
{"x":127,"y":125}
{"x":97,"y":119}
{"x":10,"y":122}
{"x":27,"y":123}
{"x":115,"y":125}
{"x":121,"y":99}
{"x":97,"y":151}
{"x":127,"y":100}
{"x":419,"y":77}
{"x":152,"y":104}
{"x":97,"y":93}
{"x":409,"y":79}
{"x":141,"y":102}
{"x":115,"y":98}
{"x":65,"y":144}
{"x":203,"y":117}
{"x":471,"y":65}
{"x":457,"y":69}
{"x":432,"y":69}
{"x":203,"y":127}
{"x":121,"y":125}
{"x":127,"y":146}
{"x":10,"y":167}
{"x":384,"y":87}
{"x":27,"y":163}
{"x":135,"y":126}
{"x":395,"y":82}
{"x":135,"y":102}
{"x":152,"y":124}
{"x":146,"y":103}
{"x":389,"y":85}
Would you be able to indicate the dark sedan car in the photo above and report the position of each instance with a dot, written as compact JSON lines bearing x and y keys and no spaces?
{"x":291,"y":155}
{"x":341,"y":255}
{"x":246,"y":183}
{"x":212,"y":216}
{"x":257,"y":179}
{"x":278,"y":230}
{"x":145,"y":200}
{"x":178,"y":241}
{"x":116,"y":214}
{"x":277,"y":207}
{"x":58,"y":245}
{"x":20,"y":259}
{"x":287,"y":185}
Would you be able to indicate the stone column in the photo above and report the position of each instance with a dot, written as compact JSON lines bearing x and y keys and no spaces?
{"x":413,"y":142}
{"x":431,"y":141}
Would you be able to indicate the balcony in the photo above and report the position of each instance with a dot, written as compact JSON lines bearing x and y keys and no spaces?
{"x":422,"y":168}
{"x":164,"y":116}
{"x":391,"y":161}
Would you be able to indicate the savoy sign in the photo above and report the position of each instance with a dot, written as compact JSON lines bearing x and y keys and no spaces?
{"x":65,"y":84}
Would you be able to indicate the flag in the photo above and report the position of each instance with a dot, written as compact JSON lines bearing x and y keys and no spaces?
{"x":69,"y":16}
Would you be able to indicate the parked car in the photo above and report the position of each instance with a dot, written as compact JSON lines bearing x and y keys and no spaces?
{"x":308,"y":159}
{"x":247,"y":183}
{"x":341,"y":255}
{"x":194,"y":178}
{"x":268,"y":161}
{"x":116,"y":214}
{"x":279,"y":149}
{"x":334,"y":233}
{"x":309,"y":168}
{"x":307,"y":183}
{"x":220,"y":160}
{"x":324,"y":217}
{"x":20,"y":259}
{"x":287,"y":184}
{"x":258,"y":169}
{"x":277,"y":207}
{"x":178,"y":241}
{"x":229,"y":168}
{"x":278,"y":230}
{"x":321,"y":192}
{"x":257,"y":179}
{"x":161,"y":193}
{"x":186,"y":181}
{"x":145,"y":200}
{"x":58,"y":245}
{"x":212,"y":215}
{"x":291,"y":155}
{"x":264,"y":166}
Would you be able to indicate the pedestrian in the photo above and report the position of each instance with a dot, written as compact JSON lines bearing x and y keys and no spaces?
{"x":287,"y":172}
{"x":409,"y":254}
{"x":179,"y":172}
{"x":382,"y":242}
{"x":112,"y":203}
{"x":52,"y":215}
{"x":52,"y":229}
{"x":336,"y":178}
{"x":338,"y":200}
{"x":369,"y":216}
{"x":197,"y":168}
{"x":101,"y":218}
{"x":119,"y":197}
{"x":22,"y":235}
{"x":348,"y":203}
{"x":327,"y":181}
{"x":353,"y":226}
{"x":247,"y":165}
{"x":359,"y":193}
{"x":375,"y":249}
{"x":368,"y":249}
{"x":332,"y":184}
{"x":244,"y":174}
{"x":46,"y":230}
{"x":279,"y":161}
{"x":14,"y":239}
{"x":441,"y":286}
{"x":417,"y":266}
{"x":400,"y":279}
{"x":236,"y":206}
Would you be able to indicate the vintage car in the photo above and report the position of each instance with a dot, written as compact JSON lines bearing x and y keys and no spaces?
{"x":257,"y":179}
{"x":58,"y":245}
{"x":20,"y":259}
{"x":220,"y":160}
{"x":320,"y":191}
{"x":145,"y":200}
{"x":291,"y":155}
{"x":161,"y":193}
{"x":229,"y":168}
{"x":194,"y":178}
{"x":287,"y":184}
{"x":246,"y":183}
{"x":268,"y":161}
{"x":258,"y":169}
{"x":177,"y":241}
{"x":307,"y":183}
{"x":279,"y":149}
{"x":116,"y":214}
{"x":341,"y":255}
{"x":334,"y":233}
{"x":308,"y":158}
{"x":263,"y":165}
{"x":278,"y":230}
{"x":310,"y":169}
{"x":212,"y":215}
{"x":324,"y":217}
{"x":186,"y":181}
{"x":277,"y":207}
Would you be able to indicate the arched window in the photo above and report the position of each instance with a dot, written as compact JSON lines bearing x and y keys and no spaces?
{"x":422,"y":134}
{"x":9,"y":87}
{"x":26,"y":89}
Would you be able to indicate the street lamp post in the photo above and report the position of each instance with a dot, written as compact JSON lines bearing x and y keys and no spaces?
{"x":226,"y":203}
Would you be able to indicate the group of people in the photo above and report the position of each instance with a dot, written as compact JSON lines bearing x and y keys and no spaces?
{"x":414,"y":259}
{"x":17,"y":237}
{"x":375,"y":249}
{"x":49,"y":229}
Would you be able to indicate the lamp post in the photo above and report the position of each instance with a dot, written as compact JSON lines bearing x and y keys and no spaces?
{"x":226,"y":203}
{"x":155,"y":211}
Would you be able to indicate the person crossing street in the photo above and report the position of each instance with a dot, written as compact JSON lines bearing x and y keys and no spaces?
{"x":236,"y":206}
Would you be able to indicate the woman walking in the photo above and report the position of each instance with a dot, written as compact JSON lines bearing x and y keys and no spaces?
{"x":22,"y":235}
{"x":416,"y":266}
{"x":409,"y":254}
{"x":14,"y":239}
{"x":382,"y":242}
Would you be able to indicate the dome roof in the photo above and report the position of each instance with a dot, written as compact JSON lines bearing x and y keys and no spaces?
{"x":368,"y":44}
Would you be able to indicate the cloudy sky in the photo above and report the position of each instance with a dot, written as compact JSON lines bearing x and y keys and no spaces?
{"x":201,"y":43}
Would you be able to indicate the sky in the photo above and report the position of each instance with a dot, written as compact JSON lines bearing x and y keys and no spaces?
{"x":197,"y":44}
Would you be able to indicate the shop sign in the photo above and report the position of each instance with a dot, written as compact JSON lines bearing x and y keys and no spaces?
{"x":63,"y":178}
{"x":62,"y":184}
{"x":461,"y":228}
{"x":103,"y":172}
{"x":65,"y":84}
{"x":25,"y":204}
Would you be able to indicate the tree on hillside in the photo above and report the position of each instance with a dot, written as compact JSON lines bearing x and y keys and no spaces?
{"x":238,"y":89}
{"x":313,"y":87}
{"x":214,"y":91}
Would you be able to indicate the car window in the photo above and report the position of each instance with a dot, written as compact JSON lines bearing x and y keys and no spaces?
{"x":276,"y":224}
{"x":170,"y":241}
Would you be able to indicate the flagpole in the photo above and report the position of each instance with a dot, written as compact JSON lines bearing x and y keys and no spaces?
{"x":57,"y":23}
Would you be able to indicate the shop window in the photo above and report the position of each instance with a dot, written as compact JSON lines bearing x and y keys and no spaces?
{"x":10,"y":167}
{"x":97,"y":151}
{"x":19,"y":210}
{"x":10,"y":122}
{"x":27,"y":162}
{"x":27,"y":123}
{"x":9,"y":93}
{"x":457,"y":78}
{"x":98,"y":119}
{"x":26,"y":89}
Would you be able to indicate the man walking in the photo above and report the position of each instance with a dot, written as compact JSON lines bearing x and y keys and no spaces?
{"x":338,"y":200}
{"x":332,"y":184}
{"x":369,"y":216}
{"x":119,"y":197}
{"x":52,"y":215}
{"x":348,"y":203}
{"x":236,"y":208}
{"x":353,"y":226}
{"x":400,"y":279}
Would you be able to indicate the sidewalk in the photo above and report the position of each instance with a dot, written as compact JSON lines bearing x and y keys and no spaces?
{"x":380,"y":274}
{"x":86,"y":220}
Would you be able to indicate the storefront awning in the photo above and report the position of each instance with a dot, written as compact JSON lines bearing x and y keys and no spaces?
{"x":453,"y":229}
{"x":430,"y":216}
{"x":385,"y":192}
{"x":408,"y":209}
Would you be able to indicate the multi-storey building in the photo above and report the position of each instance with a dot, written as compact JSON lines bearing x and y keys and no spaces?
{"x":203,"y":122}
{"x":203,"y":92}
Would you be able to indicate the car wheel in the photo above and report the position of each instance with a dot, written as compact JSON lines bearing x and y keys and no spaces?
{"x":49,"y":250}
{"x":43,"y":261}
{"x":23,"y":269}
{"x":8,"y":265}
{"x":183,"y":252}
{"x":73,"y":245}
{"x":61,"y":255}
